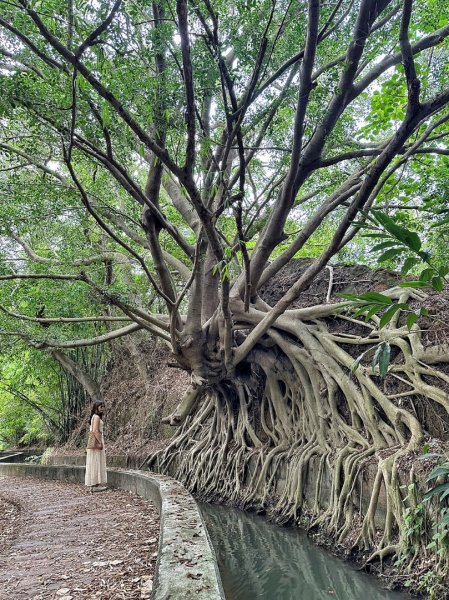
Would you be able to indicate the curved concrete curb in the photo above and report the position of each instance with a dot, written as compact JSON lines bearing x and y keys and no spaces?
{"x":186,"y":565}
{"x":10,"y":458}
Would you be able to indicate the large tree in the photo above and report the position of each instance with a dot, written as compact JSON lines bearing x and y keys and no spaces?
{"x":162,"y":161}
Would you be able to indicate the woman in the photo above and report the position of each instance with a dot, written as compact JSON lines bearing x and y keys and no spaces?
{"x":96,"y":459}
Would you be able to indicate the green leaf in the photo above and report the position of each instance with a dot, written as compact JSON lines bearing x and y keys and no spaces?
{"x":439,"y":489}
{"x":375,"y":357}
{"x":411,"y":320}
{"x":348,"y":296}
{"x":426,"y":275}
{"x":363,"y":310}
{"x":409,"y":263}
{"x":355,"y":365}
{"x":437,"y":472}
{"x":228,"y":252}
{"x":388,"y":315}
{"x":425,"y":255}
{"x":384,"y":245}
{"x":437,"y":284}
{"x":375,"y":297}
{"x":369,"y":297}
{"x":384,"y":359}
{"x":414,"y":284}
{"x":389,"y":254}
{"x":225,"y":272}
{"x":375,"y":235}
{"x":407,"y":237}
{"x":375,"y":308}
{"x":106,"y":116}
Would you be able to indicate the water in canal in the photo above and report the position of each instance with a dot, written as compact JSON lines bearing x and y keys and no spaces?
{"x":261,"y":561}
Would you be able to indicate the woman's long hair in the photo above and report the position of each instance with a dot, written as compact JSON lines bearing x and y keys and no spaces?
{"x":94,"y":411}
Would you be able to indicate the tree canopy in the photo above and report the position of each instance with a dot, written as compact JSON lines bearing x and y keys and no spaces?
{"x":161,"y":161}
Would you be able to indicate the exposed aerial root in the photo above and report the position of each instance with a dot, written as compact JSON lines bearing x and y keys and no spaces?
{"x":306,"y":435}
{"x":392,"y":549}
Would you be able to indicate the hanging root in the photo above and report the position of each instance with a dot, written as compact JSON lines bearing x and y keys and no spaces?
{"x":185,"y":407}
{"x":304,"y":437}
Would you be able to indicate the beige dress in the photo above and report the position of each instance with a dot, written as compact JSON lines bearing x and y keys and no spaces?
{"x":96,"y":463}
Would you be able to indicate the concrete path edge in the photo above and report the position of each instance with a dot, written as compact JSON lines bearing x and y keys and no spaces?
{"x":186,"y":564}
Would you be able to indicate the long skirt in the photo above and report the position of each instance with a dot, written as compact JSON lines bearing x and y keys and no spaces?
{"x":96,"y":467}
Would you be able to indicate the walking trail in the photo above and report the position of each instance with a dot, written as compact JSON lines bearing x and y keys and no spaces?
{"x":58,"y":542}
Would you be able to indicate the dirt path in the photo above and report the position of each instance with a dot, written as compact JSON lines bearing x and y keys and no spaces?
{"x":58,"y":542}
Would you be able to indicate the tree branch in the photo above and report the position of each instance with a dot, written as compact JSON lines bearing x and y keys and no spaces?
{"x":300,"y":167}
{"x":429,"y":41}
{"x":32,"y":403}
{"x":101,"y":339}
{"x":23,"y":38}
{"x":408,"y":126}
{"x":413,"y":83}
{"x":79,"y":262}
{"x":99,"y":30}
{"x":111,"y":234}
{"x":51,"y":320}
{"x":190,"y":117}
{"x":305,"y":88}
{"x":84,"y":379}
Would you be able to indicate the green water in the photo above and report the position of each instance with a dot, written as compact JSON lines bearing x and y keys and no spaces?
{"x":261,"y":561}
